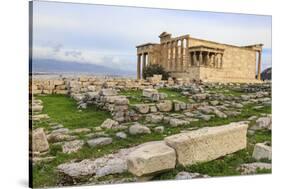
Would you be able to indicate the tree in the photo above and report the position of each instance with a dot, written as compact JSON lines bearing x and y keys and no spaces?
{"x":152,"y":69}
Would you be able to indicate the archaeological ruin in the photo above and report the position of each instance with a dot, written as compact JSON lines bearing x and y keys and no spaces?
{"x":201,"y":60}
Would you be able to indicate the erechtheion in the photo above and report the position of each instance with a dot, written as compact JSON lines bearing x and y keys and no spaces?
{"x":198,"y":59}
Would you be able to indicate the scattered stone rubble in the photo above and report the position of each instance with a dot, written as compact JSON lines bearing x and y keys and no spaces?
{"x":189,"y":147}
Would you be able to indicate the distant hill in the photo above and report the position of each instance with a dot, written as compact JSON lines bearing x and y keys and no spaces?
{"x":266,"y":74}
{"x":48,"y":65}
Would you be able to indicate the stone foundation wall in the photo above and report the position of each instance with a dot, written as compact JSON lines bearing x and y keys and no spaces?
{"x":81,"y":84}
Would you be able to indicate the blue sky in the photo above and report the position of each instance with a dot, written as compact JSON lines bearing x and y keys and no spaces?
{"x":108,"y":35}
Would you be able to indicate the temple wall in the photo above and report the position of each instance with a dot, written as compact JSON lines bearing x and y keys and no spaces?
{"x":239,"y":64}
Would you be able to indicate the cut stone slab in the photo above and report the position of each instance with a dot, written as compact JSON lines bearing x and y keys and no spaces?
{"x":262,"y":151}
{"x":80,"y":130}
{"x":174,"y":122}
{"x":109,"y":123}
{"x":59,"y":137}
{"x":154,"y":118}
{"x":99,"y":141}
{"x":263,"y":123}
{"x":39,"y":141}
{"x":40,"y":117}
{"x":150,"y":158}
{"x":108,"y":92}
{"x":139,"y":129}
{"x":37,"y":108}
{"x":61,"y":131}
{"x":142,"y":108}
{"x":208,"y":143}
{"x":149,"y":92}
{"x":72,"y":146}
{"x":165,"y":106}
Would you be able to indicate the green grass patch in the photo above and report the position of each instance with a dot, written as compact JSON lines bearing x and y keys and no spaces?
{"x":63,"y":110}
{"x":173,"y":95}
{"x":134,"y":96}
{"x":227,"y":91}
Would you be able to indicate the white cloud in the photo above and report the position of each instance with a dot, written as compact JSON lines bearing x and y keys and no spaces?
{"x":107,"y":59}
{"x":140,"y":25}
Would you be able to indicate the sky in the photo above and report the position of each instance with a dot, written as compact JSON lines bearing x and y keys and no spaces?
{"x":108,"y":35}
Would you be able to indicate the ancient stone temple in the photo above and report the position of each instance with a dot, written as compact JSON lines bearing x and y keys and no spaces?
{"x":198,"y":59}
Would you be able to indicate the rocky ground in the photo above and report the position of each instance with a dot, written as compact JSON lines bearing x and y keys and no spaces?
{"x":100,"y":135}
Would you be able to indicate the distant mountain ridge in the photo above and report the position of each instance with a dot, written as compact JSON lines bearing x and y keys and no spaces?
{"x":49,"y":65}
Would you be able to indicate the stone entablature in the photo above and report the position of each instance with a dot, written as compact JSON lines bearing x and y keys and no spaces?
{"x":186,"y":57}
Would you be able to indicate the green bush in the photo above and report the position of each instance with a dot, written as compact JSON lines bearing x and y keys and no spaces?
{"x":150,"y":70}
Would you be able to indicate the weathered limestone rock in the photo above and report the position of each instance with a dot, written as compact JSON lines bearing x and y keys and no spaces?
{"x":142,"y":108}
{"x":154,"y":118}
{"x":72,"y":146}
{"x":187,"y":175}
{"x":165,"y":106}
{"x":263,"y":123}
{"x":174,"y":122}
{"x":152,"y":109}
{"x":121,"y":135}
{"x":106,"y":165}
{"x":108,"y":92}
{"x":151,"y":157}
{"x":80,"y":130}
{"x":149,"y":92}
{"x":36,"y":160}
{"x":39,"y":141}
{"x":139,"y":129}
{"x":99,"y":141}
{"x":179,"y":105}
{"x":262,"y":151}
{"x":77,"y":97}
{"x":121,"y":100}
{"x":198,"y":97}
{"x":251,"y":168}
{"x":109,"y":124}
{"x":159,"y":129}
{"x":39,"y":117}
{"x":219,"y":113}
{"x":59,"y":137}
{"x":61,"y":131}
{"x":208,"y":143}
{"x":37,"y":108}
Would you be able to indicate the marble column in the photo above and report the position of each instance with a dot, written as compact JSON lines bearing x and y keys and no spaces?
{"x":139,"y":67}
{"x":194,"y":62}
{"x":259,"y":65}
{"x":143,"y":62}
{"x":217,"y":60}
{"x":208,"y":59}
{"x":188,"y":59}
{"x":200,"y":58}
{"x":176,"y":55}
{"x":213,"y":60}
{"x":171,"y":55}
{"x":182,"y":59}
{"x":221,"y":58}
{"x":148,"y":59}
{"x":166,"y":51}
